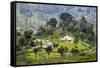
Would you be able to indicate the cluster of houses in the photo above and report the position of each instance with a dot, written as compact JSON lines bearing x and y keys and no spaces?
{"x":47,"y":43}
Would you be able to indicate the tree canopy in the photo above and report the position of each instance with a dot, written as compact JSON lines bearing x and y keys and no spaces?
{"x":66,"y":16}
{"x":52,"y":22}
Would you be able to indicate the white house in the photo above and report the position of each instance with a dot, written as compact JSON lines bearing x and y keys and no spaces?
{"x":47,"y":44}
{"x":38,"y":40}
{"x":67,"y":39}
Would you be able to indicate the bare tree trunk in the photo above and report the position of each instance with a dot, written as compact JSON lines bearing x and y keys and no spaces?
{"x":36,"y":58}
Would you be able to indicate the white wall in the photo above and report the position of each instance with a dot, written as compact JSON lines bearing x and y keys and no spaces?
{"x":5,"y":34}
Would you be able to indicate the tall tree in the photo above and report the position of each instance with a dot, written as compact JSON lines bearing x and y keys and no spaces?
{"x":52,"y":22}
{"x":66,"y":16}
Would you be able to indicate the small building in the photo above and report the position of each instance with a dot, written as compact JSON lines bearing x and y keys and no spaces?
{"x":47,"y":44}
{"x":67,"y":39}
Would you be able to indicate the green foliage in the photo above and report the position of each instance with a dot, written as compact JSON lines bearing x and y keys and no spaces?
{"x":21,"y":41}
{"x":75,"y":51}
{"x":80,"y":50}
{"x":66,"y":17}
{"x":76,"y":38}
{"x":55,"y":44}
{"x":61,"y":50}
{"x":49,"y":30}
{"x":27,"y":34}
{"x":66,"y":49}
{"x":42,"y":29}
{"x":45,"y":31}
{"x":32,"y":43}
{"x":52,"y":22}
{"x":83,"y":20}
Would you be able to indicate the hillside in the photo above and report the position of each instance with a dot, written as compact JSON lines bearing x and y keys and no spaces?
{"x":55,"y":34}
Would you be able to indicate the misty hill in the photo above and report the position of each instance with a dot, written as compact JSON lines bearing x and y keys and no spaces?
{"x":35,"y":15}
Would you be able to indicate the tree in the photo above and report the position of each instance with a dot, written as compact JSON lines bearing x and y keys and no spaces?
{"x":52,"y":22}
{"x":74,"y":51}
{"x":35,"y":51}
{"x":32,"y":44}
{"x":83,"y":20}
{"x":20,"y":43}
{"x":66,"y":20}
{"x":61,"y":51}
{"x":66,"y":17}
{"x":27,"y":35}
{"x":76,"y":38}
{"x":42,"y":29}
{"x":50,"y":30}
{"x":55,"y":44}
{"x":86,"y":32}
{"x":82,"y":36}
{"x":45,"y":31}
{"x":48,"y":50}
{"x":76,"y":46}
{"x":83,"y":25}
{"x":23,"y":41}
{"x":20,"y":46}
{"x":66,"y":49}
